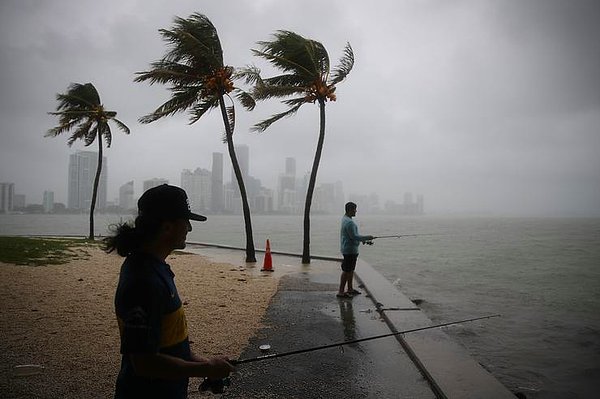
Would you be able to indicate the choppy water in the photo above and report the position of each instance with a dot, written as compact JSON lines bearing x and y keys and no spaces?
{"x":542,"y":275}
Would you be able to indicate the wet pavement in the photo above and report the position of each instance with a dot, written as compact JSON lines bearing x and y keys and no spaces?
{"x":305,"y":313}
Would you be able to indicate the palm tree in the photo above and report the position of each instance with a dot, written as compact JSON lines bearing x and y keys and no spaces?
{"x":199,"y":81}
{"x":306,"y":78}
{"x":80,"y":111}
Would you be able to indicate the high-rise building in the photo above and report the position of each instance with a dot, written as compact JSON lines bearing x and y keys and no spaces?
{"x":231,"y":204}
{"x":18,"y":202}
{"x":340,"y":198}
{"x":48,"y":201}
{"x":7,"y":192}
{"x":197,"y":184}
{"x":286,"y":188}
{"x":126,"y":195}
{"x":82,"y":172}
{"x":420,"y":204}
{"x":217,"y":204}
{"x":154,"y":182}
{"x":290,"y":166}
{"x":324,"y":199}
{"x":263,"y":201}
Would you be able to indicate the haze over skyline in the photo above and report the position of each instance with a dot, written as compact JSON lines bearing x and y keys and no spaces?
{"x":481,"y":106}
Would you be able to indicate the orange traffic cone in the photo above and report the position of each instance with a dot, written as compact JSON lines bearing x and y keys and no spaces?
{"x":268,"y":262}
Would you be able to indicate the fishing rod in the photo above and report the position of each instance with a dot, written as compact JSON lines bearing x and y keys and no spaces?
{"x":216,"y":386}
{"x":403,"y":235}
{"x":354,"y":341}
{"x":370,"y":242}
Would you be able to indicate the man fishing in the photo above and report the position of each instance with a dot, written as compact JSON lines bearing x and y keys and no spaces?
{"x":349,"y":242}
{"x":156,"y":357}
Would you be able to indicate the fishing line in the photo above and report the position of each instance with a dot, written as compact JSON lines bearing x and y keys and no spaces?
{"x":218,"y":385}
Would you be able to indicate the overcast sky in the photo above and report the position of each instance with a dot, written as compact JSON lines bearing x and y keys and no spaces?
{"x":479,"y":105}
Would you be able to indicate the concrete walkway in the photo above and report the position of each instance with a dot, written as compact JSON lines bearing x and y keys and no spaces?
{"x":305,"y":313}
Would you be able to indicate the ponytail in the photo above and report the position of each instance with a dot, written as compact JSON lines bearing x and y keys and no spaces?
{"x":129,"y":237}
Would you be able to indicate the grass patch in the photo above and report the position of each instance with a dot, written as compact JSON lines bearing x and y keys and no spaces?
{"x":36,"y":251}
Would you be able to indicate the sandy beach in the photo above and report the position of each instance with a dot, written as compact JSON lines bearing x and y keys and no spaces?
{"x":62,"y":318}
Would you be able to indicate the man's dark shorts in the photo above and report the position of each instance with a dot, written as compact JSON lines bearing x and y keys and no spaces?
{"x":349,"y":262}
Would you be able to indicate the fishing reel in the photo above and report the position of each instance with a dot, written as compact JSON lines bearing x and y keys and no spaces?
{"x":370,"y":242}
{"x":214,"y":385}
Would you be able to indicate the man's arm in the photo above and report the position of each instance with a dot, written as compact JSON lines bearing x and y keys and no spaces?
{"x":159,"y":365}
{"x":357,"y":237}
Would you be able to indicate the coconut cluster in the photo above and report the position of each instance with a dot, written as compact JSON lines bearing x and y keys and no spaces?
{"x":219,"y":82}
{"x":320,"y":90}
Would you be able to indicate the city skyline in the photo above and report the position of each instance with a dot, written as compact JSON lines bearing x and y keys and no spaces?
{"x":287,"y":197}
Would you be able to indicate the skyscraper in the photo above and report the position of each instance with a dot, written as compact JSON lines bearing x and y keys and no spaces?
{"x":48,"y":201}
{"x":82,"y":171}
{"x":18,"y":202}
{"x":126,"y":194}
{"x":286,"y":190}
{"x":197,"y":184}
{"x":290,"y":166}
{"x":217,"y":204}
{"x":155,"y":181}
{"x":7,"y":192}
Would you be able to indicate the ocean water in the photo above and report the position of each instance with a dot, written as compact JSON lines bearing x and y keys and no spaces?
{"x":541,"y":274}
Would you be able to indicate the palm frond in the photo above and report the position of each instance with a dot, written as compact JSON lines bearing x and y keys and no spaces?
{"x":90,"y":135}
{"x":275,"y":91}
{"x":78,"y":96}
{"x":181,"y":99}
{"x":121,"y":126}
{"x":288,"y":80}
{"x":291,"y":52}
{"x":106,"y":133}
{"x":245,"y":99}
{"x":318,"y":57}
{"x":61,"y":128}
{"x":201,"y":108}
{"x":249,"y":74}
{"x":292,"y":102}
{"x":194,"y":41}
{"x":168,"y":72}
{"x":287,"y":65}
{"x":82,"y":130}
{"x":346,"y":64}
{"x":72,"y":114}
{"x":231,"y":118}
{"x":264,"y":125}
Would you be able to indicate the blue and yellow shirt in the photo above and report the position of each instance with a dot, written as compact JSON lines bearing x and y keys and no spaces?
{"x":151,"y":320}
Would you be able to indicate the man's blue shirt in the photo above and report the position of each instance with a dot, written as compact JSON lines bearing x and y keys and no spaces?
{"x":349,"y":237}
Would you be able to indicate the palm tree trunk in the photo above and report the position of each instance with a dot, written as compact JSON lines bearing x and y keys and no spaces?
{"x":250,"y":252}
{"x":311,"y":185}
{"x":95,"y":190}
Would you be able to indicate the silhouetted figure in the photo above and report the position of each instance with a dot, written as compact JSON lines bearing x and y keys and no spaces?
{"x":156,"y":357}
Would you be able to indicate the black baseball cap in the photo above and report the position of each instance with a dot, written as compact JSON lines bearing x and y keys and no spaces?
{"x":167,"y":201}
